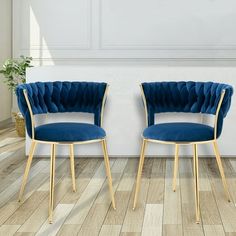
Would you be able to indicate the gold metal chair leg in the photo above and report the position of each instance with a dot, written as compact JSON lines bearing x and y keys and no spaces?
{"x":140,"y":168}
{"x":196,"y":183}
{"x":219,"y":163}
{"x":108,"y":172}
{"x":72,"y":166}
{"x":175,"y":166}
{"x":27,"y":169}
{"x":52,"y":180}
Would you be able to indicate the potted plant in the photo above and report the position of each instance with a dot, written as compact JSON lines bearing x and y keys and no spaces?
{"x":14,"y":72}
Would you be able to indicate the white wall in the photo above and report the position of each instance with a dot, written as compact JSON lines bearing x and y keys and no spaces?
{"x":5,"y":52}
{"x":124,"y":118}
{"x":124,"y":42}
{"x":125,"y":28}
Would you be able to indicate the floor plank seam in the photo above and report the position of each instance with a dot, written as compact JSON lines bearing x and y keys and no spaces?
{"x":115,"y":199}
{"x":210,"y":179}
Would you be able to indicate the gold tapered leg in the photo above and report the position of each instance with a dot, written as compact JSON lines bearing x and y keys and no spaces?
{"x":175,"y":166}
{"x":72,"y":166}
{"x":219,"y":163}
{"x":196,"y":183}
{"x":108,"y":172}
{"x":52,"y":179}
{"x":27,"y":169}
{"x":140,"y":168}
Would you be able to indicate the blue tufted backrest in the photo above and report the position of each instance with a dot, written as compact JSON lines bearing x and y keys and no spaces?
{"x":53,"y":97}
{"x":193,"y":97}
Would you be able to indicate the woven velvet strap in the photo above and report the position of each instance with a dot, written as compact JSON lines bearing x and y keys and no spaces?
{"x":54,"y":97}
{"x":194,"y":97}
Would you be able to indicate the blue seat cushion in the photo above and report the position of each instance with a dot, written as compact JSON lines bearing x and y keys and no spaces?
{"x":179,"y":132}
{"x":69,"y":132}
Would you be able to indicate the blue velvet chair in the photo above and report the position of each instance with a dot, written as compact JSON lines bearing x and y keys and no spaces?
{"x":191,"y":97}
{"x":59,"y":97}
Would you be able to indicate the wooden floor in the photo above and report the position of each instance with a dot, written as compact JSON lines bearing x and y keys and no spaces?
{"x":160,"y":211}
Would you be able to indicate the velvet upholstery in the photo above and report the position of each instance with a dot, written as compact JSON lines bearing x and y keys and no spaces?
{"x":190,"y":97}
{"x":69,"y":132}
{"x":179,"y":132}
{"x":59,"y":97}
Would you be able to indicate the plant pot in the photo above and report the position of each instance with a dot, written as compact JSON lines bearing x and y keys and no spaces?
{"x":20,"y":124}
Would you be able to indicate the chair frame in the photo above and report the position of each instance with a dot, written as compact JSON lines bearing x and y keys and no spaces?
{"x":53,"y":159}
{"x":176,"y":159}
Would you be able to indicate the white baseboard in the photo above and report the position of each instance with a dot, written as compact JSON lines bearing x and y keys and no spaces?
{"x":6,"y":122}
{"x":133,"y":157}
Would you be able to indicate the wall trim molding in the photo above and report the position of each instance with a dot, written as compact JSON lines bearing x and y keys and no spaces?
{"x":202,"y":62}
{"x":121,"y":45}
{"x":66,"y":46}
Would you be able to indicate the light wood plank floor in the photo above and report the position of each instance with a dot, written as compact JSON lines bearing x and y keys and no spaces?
{"x":87,"y":212}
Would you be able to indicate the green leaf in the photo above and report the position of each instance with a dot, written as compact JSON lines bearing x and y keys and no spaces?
{"x":14,"y":71}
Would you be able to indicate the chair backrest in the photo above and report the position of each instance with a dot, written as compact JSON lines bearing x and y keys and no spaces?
{"x":192,"y":97}
{"x":56,"y":97}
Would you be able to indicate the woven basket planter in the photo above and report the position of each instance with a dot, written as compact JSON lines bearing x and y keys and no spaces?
{"x":20,"y":124}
